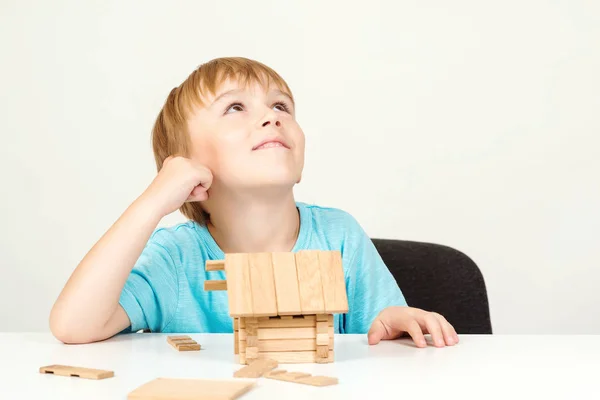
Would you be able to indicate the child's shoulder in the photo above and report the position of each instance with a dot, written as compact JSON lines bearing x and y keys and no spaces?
{"x":327,"y":215}
{"x":179,"y":231}
{"x":182,"y":237}
{"x":333,"y":227}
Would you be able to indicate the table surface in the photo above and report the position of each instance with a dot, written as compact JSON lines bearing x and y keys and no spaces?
{"x":486,"y":366}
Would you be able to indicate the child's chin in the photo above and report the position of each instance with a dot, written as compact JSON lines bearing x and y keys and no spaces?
{"x":273,"y":181}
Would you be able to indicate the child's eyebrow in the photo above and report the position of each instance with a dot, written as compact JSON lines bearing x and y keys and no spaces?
{"x":236,"y":91}
{"x":225,"y":94}
{"x":280,"y":93}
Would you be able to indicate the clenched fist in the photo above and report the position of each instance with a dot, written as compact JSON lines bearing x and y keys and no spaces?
{"x":179,"y":180}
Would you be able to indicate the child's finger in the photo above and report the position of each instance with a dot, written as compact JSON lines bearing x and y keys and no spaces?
{"x":198,"y":194}
{"x":434,"y":328}
{"x":449,"y":334}
{"x":414,"y":330}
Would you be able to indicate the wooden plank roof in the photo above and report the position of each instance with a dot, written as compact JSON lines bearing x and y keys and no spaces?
{"x":270,"y":284}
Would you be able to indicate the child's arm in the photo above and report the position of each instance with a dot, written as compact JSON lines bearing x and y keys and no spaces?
{"x":88,"y":307}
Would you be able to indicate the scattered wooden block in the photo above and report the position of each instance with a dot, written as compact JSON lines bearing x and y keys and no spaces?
{"x":77,"y":372}
{"x":300,"y":377}
{"x":179,"y":337}
{"x":190,"y":389}
{"x":183,"y":343}
{"x":256,"y":368}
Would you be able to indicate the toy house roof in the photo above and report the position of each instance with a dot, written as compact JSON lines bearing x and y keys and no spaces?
{"x":271,"y":284}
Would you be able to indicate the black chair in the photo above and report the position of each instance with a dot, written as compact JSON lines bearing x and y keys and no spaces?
{"x":438,"y":278}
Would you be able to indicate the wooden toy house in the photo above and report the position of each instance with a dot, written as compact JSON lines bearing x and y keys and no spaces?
{"x":282,"y":304}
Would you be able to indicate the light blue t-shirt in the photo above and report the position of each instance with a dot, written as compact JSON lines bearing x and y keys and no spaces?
{"x":165,"y":290}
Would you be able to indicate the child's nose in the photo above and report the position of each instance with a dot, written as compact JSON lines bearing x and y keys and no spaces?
{"x":267,"y":122}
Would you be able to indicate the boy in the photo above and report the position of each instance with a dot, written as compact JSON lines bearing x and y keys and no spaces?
{"x":228,"y":151}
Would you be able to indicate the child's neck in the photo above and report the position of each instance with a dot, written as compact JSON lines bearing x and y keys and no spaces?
{"x":255,"y":225}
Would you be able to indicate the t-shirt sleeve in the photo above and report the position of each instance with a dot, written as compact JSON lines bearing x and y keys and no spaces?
{"x":150,"y":294}
{"x":370,"y":285}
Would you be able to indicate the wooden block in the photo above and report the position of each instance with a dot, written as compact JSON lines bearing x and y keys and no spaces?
{"x":186,"y":346}
{"x":251,"y":353}
{"x":289,"y":321}
{"x":177,"y":345}
{"x":76,"y":372}
{"x":286,"y":345}
{"x":323,"y":317}
{"x":322,"y":327}
{"x":290,"y":357}
{"x":309,"y":282}
{"x":180,"y":340}
{"x":215,"y":265}
{"x":264,"y":302}
{"x":191,"y":389}
{"x":183,"y":343}
{"x":236,"y":342}
{"x":178,"y":337}
{"x":215,"y":285}
{"x":282,"y":333}
{"x":322,"y":351}
{"x":292,"y":322}
{"x":334,"y":284}
{"x":256,"y":368}
{"x":319,"y":381}
{"x":251,"y":326}
{"x":322,"y":339}
{"x":251,"y":341}
{"x":238,"y":282}
{"x":286,"y":283}
{"x":301,"y":377}
{"x":283,"y":375}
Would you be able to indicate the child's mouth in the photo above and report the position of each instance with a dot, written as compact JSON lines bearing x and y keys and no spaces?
{"x":270,"y":145}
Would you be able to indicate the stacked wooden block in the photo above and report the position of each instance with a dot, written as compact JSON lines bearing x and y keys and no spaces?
{"x":183,"y":343}
{"x":282,"y":304}
{"x":286,"y":339}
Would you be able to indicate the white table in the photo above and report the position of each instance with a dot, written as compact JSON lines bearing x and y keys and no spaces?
{"x":480,"y":367}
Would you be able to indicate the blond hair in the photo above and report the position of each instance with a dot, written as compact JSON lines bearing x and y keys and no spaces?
{"x":170,"y":135}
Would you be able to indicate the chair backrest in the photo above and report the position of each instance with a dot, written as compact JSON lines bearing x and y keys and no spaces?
{"x":438,"y":278}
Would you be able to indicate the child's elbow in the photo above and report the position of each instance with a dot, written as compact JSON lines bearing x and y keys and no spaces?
{"x":67,"y":332}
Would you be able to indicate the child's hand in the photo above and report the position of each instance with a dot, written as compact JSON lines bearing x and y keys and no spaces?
{"x":179,"y":180}
{"x":393,"y":322}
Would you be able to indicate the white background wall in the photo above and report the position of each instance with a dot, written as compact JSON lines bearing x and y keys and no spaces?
{"x":472,"y":124}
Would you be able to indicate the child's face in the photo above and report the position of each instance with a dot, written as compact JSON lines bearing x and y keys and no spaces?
{"x":227,"y":133}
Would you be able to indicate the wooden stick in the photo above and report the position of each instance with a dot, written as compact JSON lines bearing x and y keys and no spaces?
{"x":77,"y":372}
{"x":215,"y":285}
{"x":215,"y":265}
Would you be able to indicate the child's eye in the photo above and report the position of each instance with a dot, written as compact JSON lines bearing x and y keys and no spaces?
{"x":234,"y":107}
{"x":282,"y":106}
